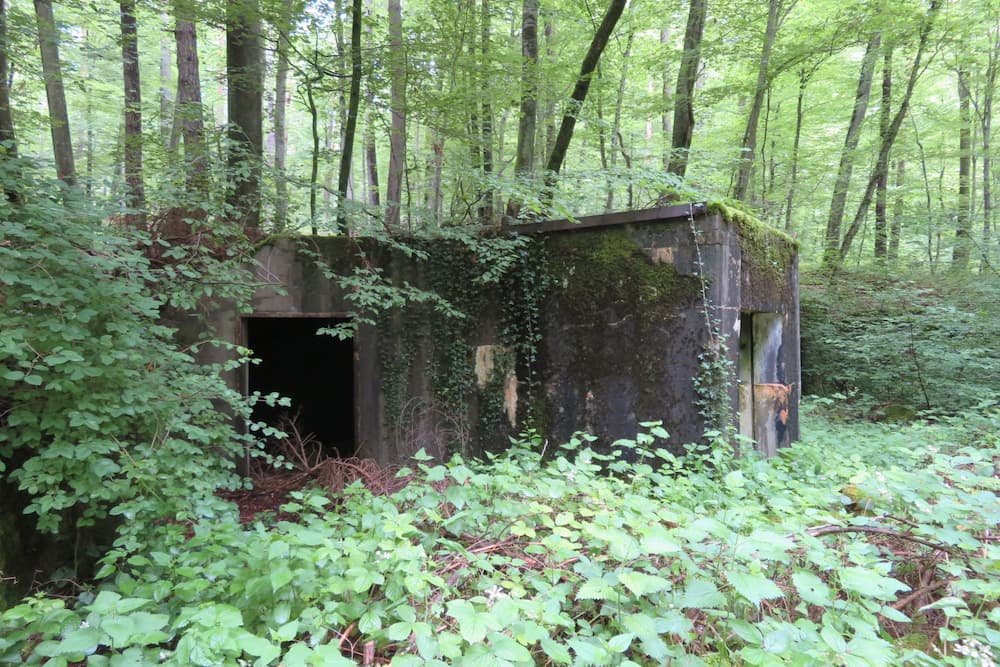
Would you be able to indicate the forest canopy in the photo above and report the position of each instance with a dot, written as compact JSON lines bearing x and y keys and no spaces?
{"x":862,"y":128}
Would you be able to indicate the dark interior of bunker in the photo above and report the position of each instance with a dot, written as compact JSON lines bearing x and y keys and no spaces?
{"x":316,"y":371}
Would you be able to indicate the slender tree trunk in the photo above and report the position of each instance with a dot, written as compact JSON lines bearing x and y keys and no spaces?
{"x":927,"y":192}
{"x":280,"y":105}
{"x":666,"y":119}
{"x":397,"y":109}
{"x":244,"y":101}
{"x":794,"y":171}
{"x":353,"y":104}
{"x":616,"y":123}
{"x":524,"y":162}
{"x":963,"y":221}
{"x":895,"y":231}
{"x":189,"y":109}
{"x":7,"y":136}
{"x":85,"y":139}
{"x":597,"y":44}
{"x":684,"y":92}
{"x":897,"y":121}
{"x":986,"y":124}
{"x":485,"y":22}
{"x":602,"y":143}
{"x":882,"y":167}
{"x":314,"y":159}
{"x":435,"y":164}
{"x":165,"y":96}
{"x":371,"y":152}
{"x":767,"y":166}
{"x":742,"y":188}
{"x":8,"y":140}
{"x":371,"y":161}
{"x":549,"y":31}
{"x":135,"y":197}
{"x":48,"y":44}
{"x":843,"y":181}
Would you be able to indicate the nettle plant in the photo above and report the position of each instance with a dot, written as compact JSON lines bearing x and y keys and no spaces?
{"x":855,"y":547}
{"x":100,"y":411}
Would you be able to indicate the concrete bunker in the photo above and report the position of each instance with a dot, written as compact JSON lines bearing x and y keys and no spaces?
{"x":631,"y":305}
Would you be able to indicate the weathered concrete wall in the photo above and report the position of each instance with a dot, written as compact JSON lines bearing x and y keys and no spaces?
{"x":632,"y":300}
{"x":638,"y":296}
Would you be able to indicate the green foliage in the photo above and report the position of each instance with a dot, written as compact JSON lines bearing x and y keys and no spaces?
{"x":902,"y":345}
{"x":100,"y":411}
{"x":518,"y":561}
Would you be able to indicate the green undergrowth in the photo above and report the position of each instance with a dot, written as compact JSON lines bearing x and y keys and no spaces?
{"x":863,"y":545}
{"x":899,"y":345}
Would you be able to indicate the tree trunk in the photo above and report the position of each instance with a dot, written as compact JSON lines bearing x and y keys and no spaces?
{"x":280,"y":106}
{"x":963,"y":222}
{"x":48,"y":45}
{"x":927,"y":191}
{"x":8,"y":140}
{"x":896,"y":229}
{"x":524,"y":162}
{"x":616,"y":124}
{"x":166,"y":99}
{"x":749,"y":149}
{"x":371,"y":152}
{"x":986,"y":124}
{"x":397,"y":109}
{"x":245,"y":112}
{"x":894,"y":126}
{"x":485,"y":24}
{"x":684,"y":92}
{"x":189,"y":110}
{"x":597,"y":44}
{"x":435,"y":165}
{"x":882,"y":167}
{"x":354,"y":102}
{"x":527,"y":122}
{"x":549,"y":31}
{"x":135,"y":194}
{"x":794,"y":175}
{"x":666,"y":119}
{"x":314,"y":158}
{"x":843,"y":181}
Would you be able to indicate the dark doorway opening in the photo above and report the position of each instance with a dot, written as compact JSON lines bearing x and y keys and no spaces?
{"x":315,"y":371}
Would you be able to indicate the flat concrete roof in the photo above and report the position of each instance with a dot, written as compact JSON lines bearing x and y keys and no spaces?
{"x":660,"y":213}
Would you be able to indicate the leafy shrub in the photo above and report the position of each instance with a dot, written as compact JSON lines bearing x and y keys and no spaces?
{"x":902,"y":345}
{"x":522,"y":561}
{"x":99,"y":410}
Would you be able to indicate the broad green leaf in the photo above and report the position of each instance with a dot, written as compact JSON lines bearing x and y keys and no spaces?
{"x":870,"y":583}
{"x":833,"y":638}
{"x":594,"y":589}
{"x":260,"y":648}
{"x":80,"y":641}
{"x":620,"y":643}
{"x":700,"y":594}
{"x":589,"y":652}
{"x":506,"y":648}
{"x":753,"y":587}
{"x":811,"y":588}
{"x":746,"y":631}
{"x":658,"y":540}
{"x":556,"y":651}
{"x":119,"y":629}
{"x":280,"y":577}
{"x":472,"y":624}
{"x":641,"y":583}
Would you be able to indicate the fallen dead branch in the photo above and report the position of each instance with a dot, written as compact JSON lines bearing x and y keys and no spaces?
{"x":833,"y":529}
